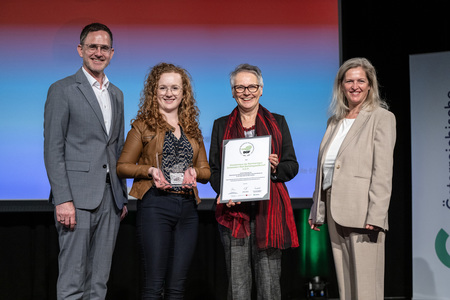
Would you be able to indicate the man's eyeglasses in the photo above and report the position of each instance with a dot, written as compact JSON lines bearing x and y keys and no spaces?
{"x":176,"y":90}
{"x":253,"y":88}
{"x":91,"y":48}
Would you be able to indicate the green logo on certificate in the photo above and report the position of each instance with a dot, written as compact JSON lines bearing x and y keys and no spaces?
{"x":246,"y":149}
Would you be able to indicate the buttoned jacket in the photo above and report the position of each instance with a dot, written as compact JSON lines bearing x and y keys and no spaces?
{"x":77,"y":148}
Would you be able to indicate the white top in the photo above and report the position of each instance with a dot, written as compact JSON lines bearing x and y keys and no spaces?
{"x":330,"y":158}
{"x":102,"y":97}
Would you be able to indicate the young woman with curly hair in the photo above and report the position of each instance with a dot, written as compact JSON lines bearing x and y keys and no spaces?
{"x":165,"y":155}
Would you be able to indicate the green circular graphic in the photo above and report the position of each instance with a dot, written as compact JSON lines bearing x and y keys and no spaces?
{"x":441,"y":250}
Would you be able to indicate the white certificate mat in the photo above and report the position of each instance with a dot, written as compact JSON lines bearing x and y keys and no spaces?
{"x":246,"y":169}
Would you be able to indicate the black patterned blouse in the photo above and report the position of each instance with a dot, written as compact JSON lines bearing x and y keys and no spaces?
{"x":177,"y":155}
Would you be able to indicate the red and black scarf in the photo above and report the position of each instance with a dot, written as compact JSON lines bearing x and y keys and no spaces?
{"x":275,"y":225}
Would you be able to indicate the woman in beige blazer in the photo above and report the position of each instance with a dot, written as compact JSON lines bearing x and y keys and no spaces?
{"x":354,"y":179}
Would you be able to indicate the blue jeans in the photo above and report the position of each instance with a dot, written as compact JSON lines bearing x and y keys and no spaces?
{"x":167,"y":228}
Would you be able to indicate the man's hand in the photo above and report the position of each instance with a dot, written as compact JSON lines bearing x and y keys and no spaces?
{"x":65,"y":214}
{"x":124,"y":212}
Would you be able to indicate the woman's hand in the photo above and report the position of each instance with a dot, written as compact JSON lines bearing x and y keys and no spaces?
{"x":273,"y":158}
{"x":158,"y":178}
{"x":314,"y":227}
{"x":229,"y":204}
{"x":190,"y":178}
{"x":372,"y":227}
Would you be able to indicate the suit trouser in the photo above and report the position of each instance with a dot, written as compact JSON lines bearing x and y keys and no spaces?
{"x":242,"y":256}
{"x":359,"y":260}
{"x":167,"y":230}
{"x":86,"y":252}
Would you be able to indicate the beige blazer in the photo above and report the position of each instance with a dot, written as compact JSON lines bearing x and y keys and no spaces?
{"x":362,"y":179}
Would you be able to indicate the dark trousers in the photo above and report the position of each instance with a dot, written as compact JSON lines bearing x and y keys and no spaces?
{"x":167,"y":228}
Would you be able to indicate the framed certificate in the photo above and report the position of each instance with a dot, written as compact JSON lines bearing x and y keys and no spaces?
{"x":246,"y":169}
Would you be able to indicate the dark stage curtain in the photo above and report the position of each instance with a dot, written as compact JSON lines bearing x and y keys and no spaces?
{"x":29,"y":259}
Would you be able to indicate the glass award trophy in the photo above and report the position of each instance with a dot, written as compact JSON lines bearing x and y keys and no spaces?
{"x":176,"y":174}
{"x":173,"y":174}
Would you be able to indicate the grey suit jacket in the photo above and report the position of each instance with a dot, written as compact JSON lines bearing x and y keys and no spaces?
{"x":362,"y":179}
{"x":77,"y":147}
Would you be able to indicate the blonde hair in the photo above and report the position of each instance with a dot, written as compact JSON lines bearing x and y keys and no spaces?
{"x":339,"y":107}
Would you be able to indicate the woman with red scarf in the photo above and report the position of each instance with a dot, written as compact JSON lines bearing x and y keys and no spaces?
{"x":254,"y":233}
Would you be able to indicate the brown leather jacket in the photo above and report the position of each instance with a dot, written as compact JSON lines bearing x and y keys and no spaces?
{"x":141,"y":147}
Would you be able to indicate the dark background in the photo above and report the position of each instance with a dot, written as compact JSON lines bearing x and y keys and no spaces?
{"x":384,"y":32}
{"x":387,"y":32}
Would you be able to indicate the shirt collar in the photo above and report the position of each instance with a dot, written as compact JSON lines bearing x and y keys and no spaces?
{"x":93,"y":82}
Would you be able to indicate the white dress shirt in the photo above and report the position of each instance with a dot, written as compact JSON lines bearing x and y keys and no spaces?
{"x":103,"y":99}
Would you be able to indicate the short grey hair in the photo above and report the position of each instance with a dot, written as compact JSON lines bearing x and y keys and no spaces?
{"x":247,"y":68}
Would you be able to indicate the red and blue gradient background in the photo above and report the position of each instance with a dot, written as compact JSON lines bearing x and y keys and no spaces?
{"x":295,"y":43}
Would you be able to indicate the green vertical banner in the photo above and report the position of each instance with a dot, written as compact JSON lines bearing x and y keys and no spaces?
{"x":314,"y":250}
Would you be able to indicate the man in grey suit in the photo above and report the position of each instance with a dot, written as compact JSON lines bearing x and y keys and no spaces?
{"x":83,"y":138}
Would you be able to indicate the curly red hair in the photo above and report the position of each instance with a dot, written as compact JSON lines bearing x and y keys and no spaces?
{"x":187,"y":111}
